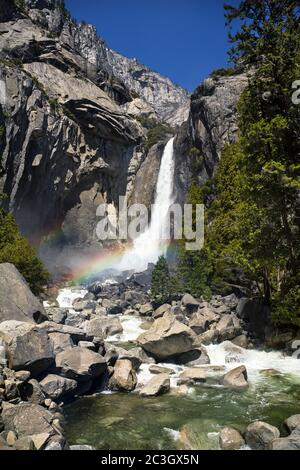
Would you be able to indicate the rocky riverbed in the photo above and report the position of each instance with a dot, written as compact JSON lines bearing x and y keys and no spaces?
{"x":134,"y":367}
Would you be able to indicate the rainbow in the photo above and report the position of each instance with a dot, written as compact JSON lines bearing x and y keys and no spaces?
{"x":106,"y":259}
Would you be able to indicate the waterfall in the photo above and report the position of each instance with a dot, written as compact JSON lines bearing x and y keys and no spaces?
{"x":152,"y":242}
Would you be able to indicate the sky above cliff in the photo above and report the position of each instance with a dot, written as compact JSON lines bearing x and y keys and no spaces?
{"x":182,"y":39}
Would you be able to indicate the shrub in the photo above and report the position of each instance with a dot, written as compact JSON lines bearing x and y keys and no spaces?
{"x":15,"y":249}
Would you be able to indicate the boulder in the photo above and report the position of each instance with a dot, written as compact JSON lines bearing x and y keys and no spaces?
{"x":146,"y":310}
{"x":167,"y":338}
{"x":28,"y":347}
{"x":292,"y":423}
{"x":113,"y":353}
{"x":60,"y":342}
{"x":142,"y":355}
{"x":87,"y":305}
{"x":158,"y":385}
{"x":56,"y":387}
{"x":230,"y":439}
{"x":108,"y":327}
{"x":242,"y":341}
{"x":260,"y":435}
{"x":40,"y":440}
{"x":124,"y":378}
{"x":202,"y":319}
{"x":160,"y":311}
{"x":76,"y":334}
{"x":76,"y":319}
{"x":80,"y":364}
{"x":17,"y":301}
{"x":27,"y":419}
{"x":196,"y":357}
{"x":190,"y":303}
{"x":24,"y":444}
{"x":228,"y":328}
{"x":57,"y":315}
{"x":291,"y":442}
{"x":114,"y":310}
{"x":32,"y":392}
{"x":236,"y":379}
{"x":210,"y":336}
{"x":154,"y":369}
{"x":192,"y":376}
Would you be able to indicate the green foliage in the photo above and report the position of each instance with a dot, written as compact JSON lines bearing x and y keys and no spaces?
{"x":252,"y":220}
{"x":15,"y":249}
{"x":12,"y":62}
{"x":54,"y":104}
{"x":197,"y":160}
{"x":286,"y":308}
{"x":20,"y":4}
{"x":223,"y":72}
{"x":156,"y":134}
{"x":2,"y":131}
{"x":162,"y":284}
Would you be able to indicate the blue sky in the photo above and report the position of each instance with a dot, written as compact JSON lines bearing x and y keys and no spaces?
{"x":182,"y":39}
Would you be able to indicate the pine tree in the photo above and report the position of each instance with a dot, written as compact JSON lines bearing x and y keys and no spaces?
{"x":161,"y":283}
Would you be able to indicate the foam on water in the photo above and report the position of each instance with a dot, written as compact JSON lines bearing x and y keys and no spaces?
{"x":254,"y":361}
{"x":131,"y":329}
{"x":67,"y":296}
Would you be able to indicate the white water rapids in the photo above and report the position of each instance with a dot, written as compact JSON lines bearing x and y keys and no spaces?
{"x":152,"y":242}
{"x":254,"y":360}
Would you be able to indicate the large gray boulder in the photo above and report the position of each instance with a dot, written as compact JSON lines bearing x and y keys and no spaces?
{"x":80,"y":364}
{"x":113,"y":353}
{"x":103,"y":327}
{"x":124,"y":378}
{"x":292,"y":423}
{"x":196,"y":357}
{"x":260,"y":435}
{"x":168,"y":338}
{"x":291,"y":442}
{"x":56,"y":387}
{"x":17,"y":302}
{"x":229,"y":327}
{"x":27,"y":419}
{"x":190,"y":303}
{"x":158,"y":385}
{"x":230,"y":439}
{"x":236,"y":379}
{"x":28,"y":347}
{"x":202,"y":319}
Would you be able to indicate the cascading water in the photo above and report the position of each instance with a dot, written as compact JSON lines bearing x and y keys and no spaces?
{"x":153,"y":241}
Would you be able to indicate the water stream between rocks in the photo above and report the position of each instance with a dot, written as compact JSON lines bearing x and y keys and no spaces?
{"x":120,"y":421}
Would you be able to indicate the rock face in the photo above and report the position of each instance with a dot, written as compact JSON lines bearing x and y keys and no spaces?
{"x":158,"y":385}
{"x":168,"y":338}
{"x":212,"y":123}
{"x":80,"y":364}
{"x":28,"y":347}
{"x":80,"y":143}
{"x":17,"y":300}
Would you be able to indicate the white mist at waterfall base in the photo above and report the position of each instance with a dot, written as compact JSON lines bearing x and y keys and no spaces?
{"x":153,"y":241}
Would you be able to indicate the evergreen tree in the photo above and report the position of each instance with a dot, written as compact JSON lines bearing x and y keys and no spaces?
{"x":15,"y":249}
{"x":161,"y":282}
